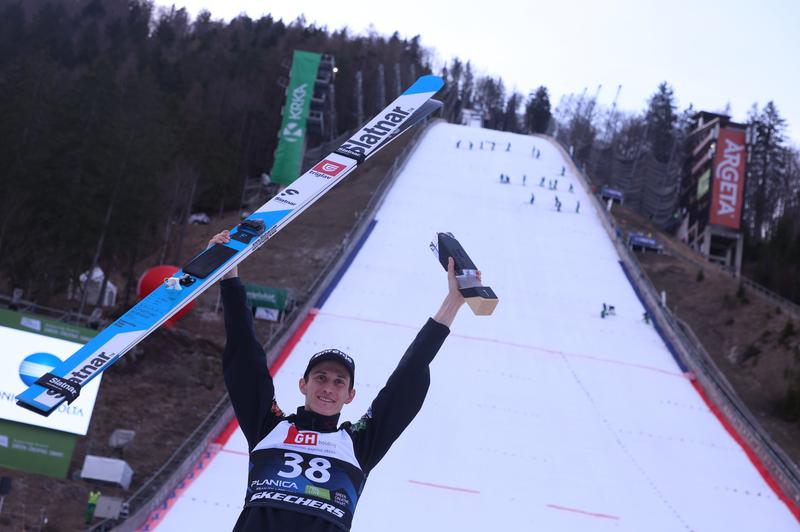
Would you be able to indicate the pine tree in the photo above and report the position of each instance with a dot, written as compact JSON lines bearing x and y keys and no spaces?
{"x":490,"y":99}
{"x":510,"y":116}
{"x":660,"y":119}
{"x":537,"y":112}
{"x":768,"y":181}
{"x":467,"y":87}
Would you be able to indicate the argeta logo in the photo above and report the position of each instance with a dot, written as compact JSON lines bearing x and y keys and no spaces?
{"x":292,"y":132}
{"x":36,"y":365}
{"x":329,"y":167}
{"x":297,"y":437}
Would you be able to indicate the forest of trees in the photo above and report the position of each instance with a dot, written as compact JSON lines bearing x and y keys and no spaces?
{"x":120,"y":119}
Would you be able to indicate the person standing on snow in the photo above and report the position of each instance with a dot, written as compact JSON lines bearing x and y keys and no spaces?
{"x":307,"y":471}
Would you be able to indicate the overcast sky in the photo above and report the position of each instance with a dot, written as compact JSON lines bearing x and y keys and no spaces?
{"x":712,"y":52}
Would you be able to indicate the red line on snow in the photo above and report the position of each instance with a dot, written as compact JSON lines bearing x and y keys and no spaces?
{"x":754,"y":459}
{"x":517,"y":345}
{"x":368,"y":320}
{"x":441,"y":486}
{"x":575,"y":510}
{"x":574,"y":355}
{"x":227,"y":432}
{"x":231,"y":451}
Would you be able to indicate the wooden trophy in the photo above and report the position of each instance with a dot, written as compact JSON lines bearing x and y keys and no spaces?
{"x":481,"y":299}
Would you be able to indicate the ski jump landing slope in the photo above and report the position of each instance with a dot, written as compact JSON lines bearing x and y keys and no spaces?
{"x":541,"y":417}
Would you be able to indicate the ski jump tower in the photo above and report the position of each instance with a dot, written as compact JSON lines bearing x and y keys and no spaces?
{"x":712,"y":189}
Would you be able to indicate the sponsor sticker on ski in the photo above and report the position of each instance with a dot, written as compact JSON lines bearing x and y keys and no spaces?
{"x":329,"y":168}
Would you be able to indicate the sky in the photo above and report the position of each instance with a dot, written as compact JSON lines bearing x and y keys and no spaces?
{"x":713,"y":53}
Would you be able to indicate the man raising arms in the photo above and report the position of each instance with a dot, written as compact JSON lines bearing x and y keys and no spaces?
{"x":307,"y":470}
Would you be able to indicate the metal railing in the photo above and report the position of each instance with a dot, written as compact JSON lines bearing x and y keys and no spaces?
{"x":780,"y":301}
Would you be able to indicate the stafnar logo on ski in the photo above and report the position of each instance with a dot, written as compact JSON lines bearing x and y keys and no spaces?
{"x":329,"y":168}
{"x":374,"y":135}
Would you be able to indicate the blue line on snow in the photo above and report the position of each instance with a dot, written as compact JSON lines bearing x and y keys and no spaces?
{"x":348,"y":261}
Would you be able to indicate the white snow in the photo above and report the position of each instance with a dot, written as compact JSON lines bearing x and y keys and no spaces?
{"x":542,"y":416}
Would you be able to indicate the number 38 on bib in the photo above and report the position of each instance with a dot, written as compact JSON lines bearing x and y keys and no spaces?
{"x":305,"y":471}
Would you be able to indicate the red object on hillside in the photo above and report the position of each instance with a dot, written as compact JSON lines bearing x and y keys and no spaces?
{"x":152,"y":279}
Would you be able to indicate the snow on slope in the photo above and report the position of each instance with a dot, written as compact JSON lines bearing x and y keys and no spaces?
{"x":541,"y":417}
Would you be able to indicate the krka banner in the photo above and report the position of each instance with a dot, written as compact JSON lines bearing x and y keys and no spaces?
{"x":291,"y":139}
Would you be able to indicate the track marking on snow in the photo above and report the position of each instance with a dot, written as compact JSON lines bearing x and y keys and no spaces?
{"x":575,"y":510}
{"x":624,"y":448}
{"x":440,"y":486}
{"x":231,"y":451}
{"x":516,"y":345}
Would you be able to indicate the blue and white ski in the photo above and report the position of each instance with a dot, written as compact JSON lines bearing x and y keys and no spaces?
{"x":64,"y":382}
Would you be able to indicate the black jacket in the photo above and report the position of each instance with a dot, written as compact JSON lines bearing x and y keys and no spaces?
{"x":253,"y":397}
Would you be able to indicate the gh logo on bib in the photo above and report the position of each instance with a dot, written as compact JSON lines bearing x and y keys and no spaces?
{"x":297,"y":437}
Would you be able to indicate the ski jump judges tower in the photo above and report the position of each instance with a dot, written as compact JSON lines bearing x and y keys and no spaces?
{"x":712,"y":189}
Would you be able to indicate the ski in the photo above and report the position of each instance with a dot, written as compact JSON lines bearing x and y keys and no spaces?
{"x":64,"y":382}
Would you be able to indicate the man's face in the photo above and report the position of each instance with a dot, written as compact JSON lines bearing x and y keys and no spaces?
{"x":327,"y":389}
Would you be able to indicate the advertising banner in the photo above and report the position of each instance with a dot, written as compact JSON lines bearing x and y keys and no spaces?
{"x":35,"y":450}
{"x":291,"y":138}
{"x":727,"y":191}
{"x":32,"y":346}
{"x":268,"y":301}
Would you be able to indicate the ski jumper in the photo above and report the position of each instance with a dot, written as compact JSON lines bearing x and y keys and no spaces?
{"x":307,"y":471}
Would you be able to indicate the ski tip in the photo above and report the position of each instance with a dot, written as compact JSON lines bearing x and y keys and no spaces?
{"x":36,"y":407}
{"x":428,"y":83}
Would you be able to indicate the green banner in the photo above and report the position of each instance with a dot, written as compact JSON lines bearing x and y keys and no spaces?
{"x":37,"y":324}
{"x":292,"y":136}
{"x":35,"y":450}
{"x":265,"y":296}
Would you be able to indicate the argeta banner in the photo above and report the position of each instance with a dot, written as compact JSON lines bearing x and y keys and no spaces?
{"x":728,"y":190}
{"x":292,"y":135}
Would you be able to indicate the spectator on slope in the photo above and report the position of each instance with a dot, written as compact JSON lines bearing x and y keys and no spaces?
{"x":307,"y":471}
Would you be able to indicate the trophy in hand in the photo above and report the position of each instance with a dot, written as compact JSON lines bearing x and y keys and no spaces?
{"x":481,"y":299}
